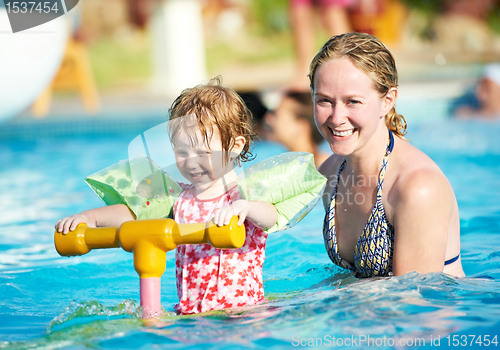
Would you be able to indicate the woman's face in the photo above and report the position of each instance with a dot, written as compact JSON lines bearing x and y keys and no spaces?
{"x":347,"y":109}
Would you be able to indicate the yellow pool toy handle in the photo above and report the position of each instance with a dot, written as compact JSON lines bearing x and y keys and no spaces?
{"x":168,"y":233}
{"x":83,"y":239}
{"x":149,"y":241}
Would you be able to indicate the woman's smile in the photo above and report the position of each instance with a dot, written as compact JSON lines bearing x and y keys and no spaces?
{"x":343,"y":133}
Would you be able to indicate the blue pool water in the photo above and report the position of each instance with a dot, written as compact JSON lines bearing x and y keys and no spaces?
{"x":91,"y":302}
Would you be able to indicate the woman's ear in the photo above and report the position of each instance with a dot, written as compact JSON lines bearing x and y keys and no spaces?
{"x":389,"y":100}
{"x":239,"y":143}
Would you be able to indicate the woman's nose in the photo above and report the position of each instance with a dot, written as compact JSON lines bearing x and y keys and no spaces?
{"x":338,"y":115}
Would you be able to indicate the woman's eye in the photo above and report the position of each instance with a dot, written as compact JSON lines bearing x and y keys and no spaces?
{"x":322,"y":101}
{"x":353,"y":102}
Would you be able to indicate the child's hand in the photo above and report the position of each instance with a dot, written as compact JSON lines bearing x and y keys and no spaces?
{"x":223,"y":216}
{"x":261,"y":214}
{"x":111,"y":215}
{"x":71,"y":222}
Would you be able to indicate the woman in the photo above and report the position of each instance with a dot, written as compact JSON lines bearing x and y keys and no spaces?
{"x":389,"y":208}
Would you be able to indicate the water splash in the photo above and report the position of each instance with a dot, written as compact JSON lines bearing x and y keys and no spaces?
{"x":76,"y":310}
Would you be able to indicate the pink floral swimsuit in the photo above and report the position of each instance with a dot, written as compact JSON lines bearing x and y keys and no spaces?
{"x":210,"y":278}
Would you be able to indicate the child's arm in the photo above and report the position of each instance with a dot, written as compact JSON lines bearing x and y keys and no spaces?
{"x":113,"y":215}
{"x":262,"y":214}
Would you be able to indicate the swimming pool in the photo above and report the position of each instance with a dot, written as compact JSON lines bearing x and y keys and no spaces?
{"x":92,"y":301}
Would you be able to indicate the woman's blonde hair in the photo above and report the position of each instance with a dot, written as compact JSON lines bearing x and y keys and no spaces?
{"x":213,"y":105}
{"x":369,"y":55}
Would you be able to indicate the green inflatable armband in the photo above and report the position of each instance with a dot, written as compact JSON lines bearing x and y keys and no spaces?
{"x":290,"y":181}
{"x":140,"y":184}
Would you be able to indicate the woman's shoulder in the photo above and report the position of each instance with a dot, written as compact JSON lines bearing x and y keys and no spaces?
{"x":330,"y":169}
{"x":416,"y":175}
{"x":331,"y":165}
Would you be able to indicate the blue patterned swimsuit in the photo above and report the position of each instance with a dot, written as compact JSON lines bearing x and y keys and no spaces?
{"x":373,"y":251}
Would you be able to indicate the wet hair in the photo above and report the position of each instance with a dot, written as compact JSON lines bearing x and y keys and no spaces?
{"x":371,"y":56}
{"x":305,"y":111}
{"x":210,"y":107}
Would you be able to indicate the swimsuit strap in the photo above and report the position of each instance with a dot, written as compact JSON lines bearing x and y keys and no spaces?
{"x":390,"y":146}
{"x":329,"y":235}
{"x":452,"y":260}
{"x":329,"y":224}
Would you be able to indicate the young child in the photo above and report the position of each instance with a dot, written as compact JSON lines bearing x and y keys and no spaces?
{"x":210,"y":129}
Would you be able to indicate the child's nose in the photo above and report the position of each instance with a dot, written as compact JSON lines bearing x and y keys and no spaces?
{"x":191,"y":162}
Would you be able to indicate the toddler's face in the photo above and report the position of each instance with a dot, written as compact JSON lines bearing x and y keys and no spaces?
{"x":200,"y":163}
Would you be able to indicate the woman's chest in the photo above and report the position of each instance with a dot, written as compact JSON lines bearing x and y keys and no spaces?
{"x":354,"y":208}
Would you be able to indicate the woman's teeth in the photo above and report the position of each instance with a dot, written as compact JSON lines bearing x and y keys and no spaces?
{"x":343,"y":133}
{"x":197,"y":174}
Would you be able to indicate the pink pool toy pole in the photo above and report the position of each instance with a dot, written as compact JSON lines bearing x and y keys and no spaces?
{"x":150,"y":290}
{"x":149,"y":241}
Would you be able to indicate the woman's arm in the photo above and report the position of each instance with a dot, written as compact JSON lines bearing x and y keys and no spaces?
{"x":262,"y":214}
{"x":424,"y":208}
{"x":113,"y":215}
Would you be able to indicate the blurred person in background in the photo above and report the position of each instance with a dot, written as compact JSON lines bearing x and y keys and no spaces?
{"x":334,"y":18}
{"x":257,"y":108}
{"x":140,"y":11}
{"x":486,"y":102}
{"x":292,"y":124}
